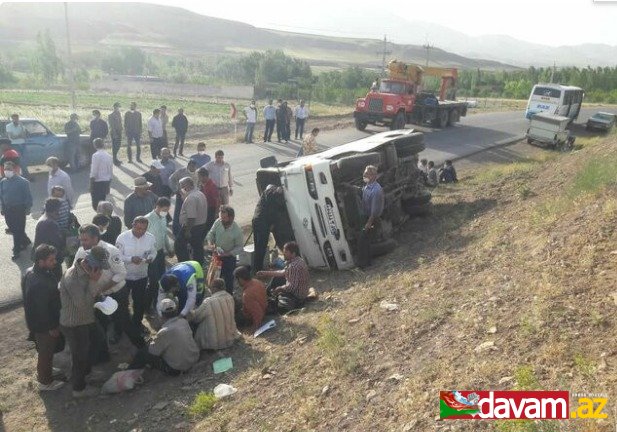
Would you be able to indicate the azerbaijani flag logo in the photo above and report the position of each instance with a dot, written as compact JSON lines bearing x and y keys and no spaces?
{"x":458,"y":405}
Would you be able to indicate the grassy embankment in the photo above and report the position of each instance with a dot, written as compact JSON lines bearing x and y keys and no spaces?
{"x":509,"y":285}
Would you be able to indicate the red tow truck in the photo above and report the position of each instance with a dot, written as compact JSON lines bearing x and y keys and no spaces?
{"x":399,"y":99}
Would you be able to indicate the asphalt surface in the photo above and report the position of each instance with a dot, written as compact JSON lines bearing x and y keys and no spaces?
{"x":473,"y":134}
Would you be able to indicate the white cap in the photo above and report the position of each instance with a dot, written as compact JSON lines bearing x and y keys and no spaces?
{"x":108,"y":306}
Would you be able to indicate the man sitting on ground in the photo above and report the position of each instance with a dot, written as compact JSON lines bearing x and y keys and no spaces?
{"x":216,"y":327}
{"x":447,"y":174}
{"x":290,"y":286}
{"x":254,"y":300}
{"x":185,"y":281}
{"x":173,"y":350}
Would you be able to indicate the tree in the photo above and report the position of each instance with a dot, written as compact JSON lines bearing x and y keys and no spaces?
{"x":46,"y":64}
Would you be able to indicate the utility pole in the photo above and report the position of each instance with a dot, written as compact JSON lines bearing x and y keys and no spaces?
{"x":70,"y":56}
{"x":427,"y":47}
{"x":384,"y":53}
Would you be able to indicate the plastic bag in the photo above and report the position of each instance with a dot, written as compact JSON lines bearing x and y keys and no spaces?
{"x":224,"y":390}
{"x":123,"y":381}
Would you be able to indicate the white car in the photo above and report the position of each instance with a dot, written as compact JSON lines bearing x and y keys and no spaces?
{"x":323,"y":214}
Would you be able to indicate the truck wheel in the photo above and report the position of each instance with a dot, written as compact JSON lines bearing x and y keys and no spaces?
{"x":360,"y":125}
{"x":443,"y":118}
{"x":398,"y":122}
{"x":353,"y":166}
{"x":454,"y":117}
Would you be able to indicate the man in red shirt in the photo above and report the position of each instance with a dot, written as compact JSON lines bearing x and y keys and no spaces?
{"x":254,"y":300}
{"x":211,"y":191}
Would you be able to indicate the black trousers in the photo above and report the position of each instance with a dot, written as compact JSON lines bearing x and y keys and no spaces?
{"x":156,"y":144}
{"x":280,"y":130}
{"x":283,"y":302}
{"x":115,"y":146}
{"x":227,"y":272}
{"x":261,"y":235}
{"x":180,"y":136}
{"x":122,"y":318}
{"x":138,"y":289}
{"x":195,"y":238}
{"x":99,"y":192}
{"x":269,"y":130}
{"x":16,"y":221}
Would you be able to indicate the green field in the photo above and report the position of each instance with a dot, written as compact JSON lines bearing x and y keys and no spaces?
{"x":52,"y":107}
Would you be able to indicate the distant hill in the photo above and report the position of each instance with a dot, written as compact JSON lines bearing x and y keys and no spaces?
{"x":175,"y":31}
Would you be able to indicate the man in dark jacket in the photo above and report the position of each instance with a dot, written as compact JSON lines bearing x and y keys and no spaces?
{"x":15,"y":204}
{"x":268,"y":212}
{"x":181,"y":124}
{"x":72,"y":131}
{"x":42,"y":310}
{"x":98,"y":129}
{"x":48,"y":232}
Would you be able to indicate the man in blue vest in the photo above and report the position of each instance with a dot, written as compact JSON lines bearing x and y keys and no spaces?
{"x":185,"y":281}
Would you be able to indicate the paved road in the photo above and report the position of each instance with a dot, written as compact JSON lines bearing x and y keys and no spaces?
{"x":474,"y":133}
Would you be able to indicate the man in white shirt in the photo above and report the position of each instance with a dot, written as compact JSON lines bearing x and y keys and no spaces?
{"x":137,"y":249}
{"x":155,"y":132}
{"x":220,"y":173}
{"x":58,"y":177}
{"x":301,"y":113}
{"x":101,"y":173}
{"x":250,"y":113}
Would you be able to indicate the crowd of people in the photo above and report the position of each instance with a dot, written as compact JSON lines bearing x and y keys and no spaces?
{"x":195,"y":302}
{"x":171,"y":261}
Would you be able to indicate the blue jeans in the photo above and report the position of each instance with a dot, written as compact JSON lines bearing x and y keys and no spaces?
{"x":248,"y":135}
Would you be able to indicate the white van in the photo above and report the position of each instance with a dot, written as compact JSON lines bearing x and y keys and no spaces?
{"x":550,"y":130}
{"x":324,"y":214}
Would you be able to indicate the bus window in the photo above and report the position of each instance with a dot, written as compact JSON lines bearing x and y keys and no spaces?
{"x":548,"y":92}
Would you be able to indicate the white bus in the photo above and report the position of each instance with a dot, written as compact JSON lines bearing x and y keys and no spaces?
{"x":556,"y":99}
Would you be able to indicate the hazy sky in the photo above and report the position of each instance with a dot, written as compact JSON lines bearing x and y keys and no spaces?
{"x":549,"y":22}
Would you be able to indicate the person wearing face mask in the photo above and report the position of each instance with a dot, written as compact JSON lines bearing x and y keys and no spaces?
{"x":15,"y":204}
{"x":201,"y":157}
{"x":193,"y":218}
{"x":250,"y":113}
{"x":157,"y":226}
{"x":139,"y":203}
